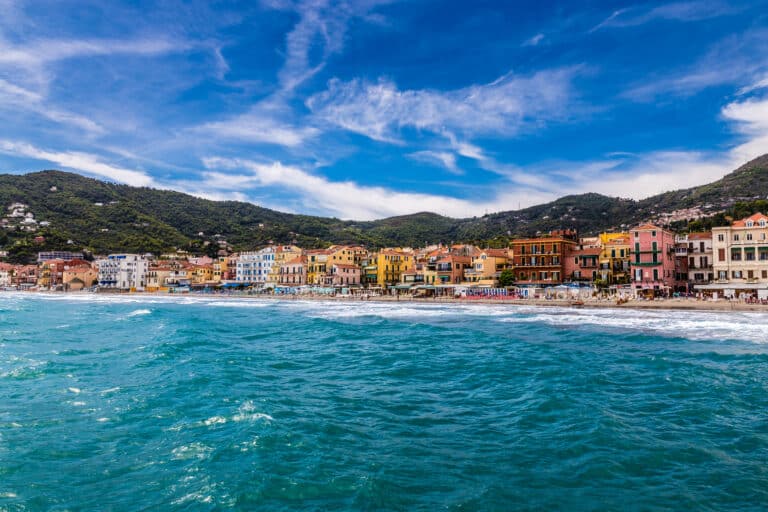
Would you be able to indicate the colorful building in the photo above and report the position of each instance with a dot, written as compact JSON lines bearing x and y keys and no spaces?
{"x":741,"y":255}
{"x":653,"y":259}
{"x":294,"y":272}
{"x":391,"y":264}
{"x":615,"y":258}
{"x":539,"y":261}
{"x":486,"y":267}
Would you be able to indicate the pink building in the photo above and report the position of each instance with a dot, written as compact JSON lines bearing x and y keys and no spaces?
{"x":294,"y":272}
{"x":652,"y":259}
{"x":344,"y":275}
{"x":581,"y":263}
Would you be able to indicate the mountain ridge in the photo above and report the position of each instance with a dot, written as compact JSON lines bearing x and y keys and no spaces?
{"x":102,"y":216}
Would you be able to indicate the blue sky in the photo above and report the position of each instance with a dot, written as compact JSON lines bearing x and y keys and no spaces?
{"x":368,"y":109}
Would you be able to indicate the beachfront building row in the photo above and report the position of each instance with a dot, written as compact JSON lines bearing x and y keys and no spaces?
{"x":648,"y":258}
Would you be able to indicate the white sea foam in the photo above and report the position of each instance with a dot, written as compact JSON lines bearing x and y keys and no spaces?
{"x":191,"y":451}
{"x":215,"y":420}
{"x":110,"y":390}
{"x":8,"y":495}
{"x":139,"y":312}
{"x":74,"y":390}
{"x":247,"y":412}
{"x":697,"y":325}
{"x":102,"y":420}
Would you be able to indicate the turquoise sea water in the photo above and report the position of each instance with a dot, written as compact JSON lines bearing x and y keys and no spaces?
{"x":211,"y":404}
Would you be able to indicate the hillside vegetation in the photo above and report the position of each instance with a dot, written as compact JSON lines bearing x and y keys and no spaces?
{"x":103,"y":217}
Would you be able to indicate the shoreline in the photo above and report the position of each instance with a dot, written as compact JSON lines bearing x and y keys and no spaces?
{"x":675,"y":304}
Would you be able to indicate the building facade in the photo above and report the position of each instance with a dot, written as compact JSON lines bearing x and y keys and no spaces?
{"x":539,"y":261}
{"x":653,"y":259}
{"x":123,"y":272}
{"x":741,"y":251}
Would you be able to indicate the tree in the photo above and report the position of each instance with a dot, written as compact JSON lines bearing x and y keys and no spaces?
{"x":506,"y":278}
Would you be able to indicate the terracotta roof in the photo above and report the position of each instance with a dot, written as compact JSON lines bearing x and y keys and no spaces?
{"x":497,"y":253}
{"x":647,"y":227}
{"x":296,"y":261}
{"x":706,"y":235}
{"x":754,"y":218}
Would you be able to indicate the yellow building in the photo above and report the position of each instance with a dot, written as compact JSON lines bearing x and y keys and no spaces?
{"x":317,"y":265}
{"x":614,"y":258}
{"x":79,"y":277}
{"x":283,"y":254}
{"x":390,"y":265}
{"x":220,"y":266}
{"x":487,"y":266}
{"x":201,"y":274}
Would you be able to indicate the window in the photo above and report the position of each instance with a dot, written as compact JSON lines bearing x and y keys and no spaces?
{"x":721,"y":255}
{"x":765,"y":272}
{"x":736,"y":274}
{"x":735,"y":237}
{"x":749,"y":256}
{"x":762,"y":223}
{"x":722,"y":275}
{"x":655,"y":274}
{"x":750,"y":274}
{"x":749,"y":236}
{"x":721,"y":238}
{"x":637,"y":234}
{"x":736,"y":255}
{"x":750,"y":223}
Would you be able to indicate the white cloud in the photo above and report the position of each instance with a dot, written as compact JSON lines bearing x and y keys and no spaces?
{"x":77,"y":161}
{"x":502,"y":107}
{"x":18,"y":98}
{"x":351,"y":200}
{"x":736,"y":60}
{"x":534,"y":41}
{"x":676,"y":11}
{"x":322,"y":26}
{"x":42,"y":51}
{"x":443,"y":158}
{"x":259,"y":127}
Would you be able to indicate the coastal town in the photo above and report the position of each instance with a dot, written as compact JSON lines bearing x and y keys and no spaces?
{"x":647,"y":261}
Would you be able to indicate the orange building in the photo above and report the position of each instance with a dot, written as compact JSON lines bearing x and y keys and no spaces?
{"x":541,"y":260}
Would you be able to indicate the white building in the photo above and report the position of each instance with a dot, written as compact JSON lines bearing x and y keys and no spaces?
{"x":741,"y":258}
{"x":254,"y":267}
{"x":123,"y":272}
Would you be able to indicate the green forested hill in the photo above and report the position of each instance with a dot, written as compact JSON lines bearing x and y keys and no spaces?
{"x":104,"y":217}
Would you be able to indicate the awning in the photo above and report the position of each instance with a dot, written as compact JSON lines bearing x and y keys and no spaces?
{"x":749,"y":249}
{"x":403,"y":287}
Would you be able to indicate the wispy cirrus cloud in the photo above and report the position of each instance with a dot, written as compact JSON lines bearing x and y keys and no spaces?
{"x":20,"y":99}
{"x":318,"y":35}
{"x":505,"y":106}
{"x":534,"y":41}
{"x":445,"y":159}
{"x":735,"y":60}
{"x":676,"y":11}
{"x":78,"y":161}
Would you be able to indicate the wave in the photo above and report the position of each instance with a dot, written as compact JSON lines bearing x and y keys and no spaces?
{"x":139,"y":312}
{"x":685,"y":324}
